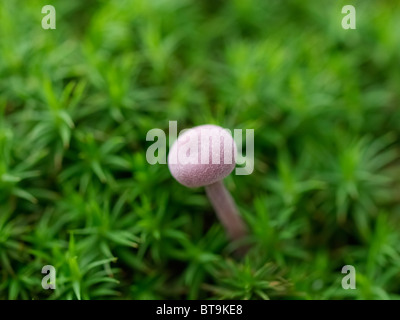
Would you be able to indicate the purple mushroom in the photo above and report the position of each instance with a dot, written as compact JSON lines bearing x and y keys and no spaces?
{"x":204,"y":156}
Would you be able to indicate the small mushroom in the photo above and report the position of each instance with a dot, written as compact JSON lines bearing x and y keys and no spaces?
{"x":187,"y":162}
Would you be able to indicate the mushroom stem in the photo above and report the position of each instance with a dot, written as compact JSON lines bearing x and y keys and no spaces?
{"x":226,"y":210}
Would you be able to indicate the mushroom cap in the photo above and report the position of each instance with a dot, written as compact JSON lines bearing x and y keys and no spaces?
{"x":196,"y":169}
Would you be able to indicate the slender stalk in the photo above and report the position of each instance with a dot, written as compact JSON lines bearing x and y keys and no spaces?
{"x":226,"y":210}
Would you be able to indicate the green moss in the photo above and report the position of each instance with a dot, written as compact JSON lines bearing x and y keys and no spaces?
{"x":76,"y":191}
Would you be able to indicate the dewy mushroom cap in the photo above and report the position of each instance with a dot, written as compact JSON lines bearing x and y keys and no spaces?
{"x":188,"y":167}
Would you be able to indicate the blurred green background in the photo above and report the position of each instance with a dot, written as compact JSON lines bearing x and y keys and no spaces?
{"x":77,"y":193}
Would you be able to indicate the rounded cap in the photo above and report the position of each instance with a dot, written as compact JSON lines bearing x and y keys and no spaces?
{"x":202,"y":155}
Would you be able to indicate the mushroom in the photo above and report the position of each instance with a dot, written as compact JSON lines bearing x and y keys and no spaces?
{"x":204,"y":156}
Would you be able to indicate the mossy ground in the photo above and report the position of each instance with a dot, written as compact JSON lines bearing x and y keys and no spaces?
{"x":76,"y":191}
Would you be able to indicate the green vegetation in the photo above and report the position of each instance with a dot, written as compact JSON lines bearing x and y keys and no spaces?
{"x":76,"y":191}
